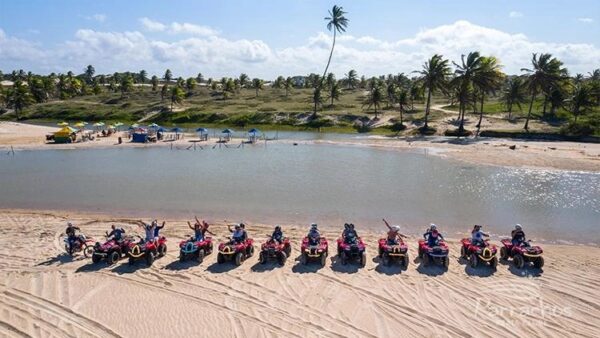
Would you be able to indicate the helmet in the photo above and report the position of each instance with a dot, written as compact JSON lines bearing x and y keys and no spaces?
{"x":277,"y":227}
{"x":237,"y":226}
{"x":313,"y":225}
{"x":432,"y":226}
{"x":351,"y":225}
{"x":396,"y":228}
{"x":69,"y":224}
{"x":518,"y":227}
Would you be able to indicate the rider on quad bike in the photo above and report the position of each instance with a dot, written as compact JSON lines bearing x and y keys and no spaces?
{"x":70,"y":231}
{"x":518,"y":236}
{"x":200,"y":229}
{"x":115,"y":233}
{"x":394,"y":237}
{"x":238,"y":234}
{"x":314,"y":235}
{"x":477,"y":236}
{"x":349,"y":234}
{"x":151,"y":229}
{"x":277,"y":235}
{"x":432,"y":236}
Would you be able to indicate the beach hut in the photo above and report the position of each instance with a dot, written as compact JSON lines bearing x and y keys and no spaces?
{"x":227,"y":134}
{"x":202,"y":133}
{"x":253,"y":135}
{"x":139,"y":135}
{"x":65,"y":135}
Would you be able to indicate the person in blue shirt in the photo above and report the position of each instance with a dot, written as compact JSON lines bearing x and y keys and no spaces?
{"x":477,"y":236}
{"x":157,"y":229}
{"x":238,"y":234}
{"x":314,"y":235}
{"x":349,"y":234}
{"x":277,"y":235}
{"x":432,"y":236}
{"x":115,"y":233}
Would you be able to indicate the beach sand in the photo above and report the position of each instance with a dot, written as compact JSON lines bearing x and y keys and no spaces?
{"x":487,"y":151}
{"x":44,"y":292}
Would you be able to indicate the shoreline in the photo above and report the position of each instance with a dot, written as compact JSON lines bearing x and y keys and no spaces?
{"x":44,"y":291}
{"x":553,"y":155}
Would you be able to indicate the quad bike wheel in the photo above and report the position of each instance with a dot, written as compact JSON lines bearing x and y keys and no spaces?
{"x":281,"y":258}
{"x":113,"y":257}
{"x":463,"y":252}
{"x":220,"y":258}
{"x":494,"y":263}
{"x":96,"y":259}
{"x":519,"y":261}
{"x":251,"y":251}
{"x":385,"y":259}
{"x":343,"y":258}
{"x":131,"y":261}
{"x":446,"y":261}
{"x":363,"y":259}
{"x":200,"y":257}
{"x":239,"y":257}
{"x":539,"y":263}
{"x":262,"y":258}
{"x":181,"y":257}
{"x":288,"y":250}
{"x":425,"y":259}
{"x":149,"y":258}
{"x":323,"y":259}
{"x":88,"y":251}
{"x":303,"y":259}
{"x":162,"y":250}
{"x":473,"y":261}
{"x":404,"y":261}
{"x":503,"y":253}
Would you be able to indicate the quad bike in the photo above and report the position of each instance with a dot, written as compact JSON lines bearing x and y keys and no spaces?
{"x":479,"y":253}
{"x":393,"y":252}
{"x":111,"y":250}
{"x":437,"y":254}
{"x":191,"y":249}
{"x":147,"y":250}
{"x":238,"y":252}
{"x":522,"y":254}
{"x":272,"y":249}
{"x":314,"y":249}
{"x":81,"y":243}
{"x":352,"y":249}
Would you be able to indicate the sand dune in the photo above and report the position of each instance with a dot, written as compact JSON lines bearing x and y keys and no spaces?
{"x":44,"y":293}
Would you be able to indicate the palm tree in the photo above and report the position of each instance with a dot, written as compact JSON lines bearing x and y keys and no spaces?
{"x":19,"y":97}
{"x":352,"y":79}
{"x":434,"y":76}
{"x":177,"y":95}
{"x":89,"y":73}
{"x":163,"y":92}
{"x":402,"y":100}
{"x":546,"y":71}
{"x":580,"y":101}
{"x":336,"y":22}
{"x":190,"y":84}
{"x":168,"y":75}
{"x":334,"y":92}
{"x":317,"y":100}
{"x":143,"y":76}
{"x":463,"y":81}
{"x":513,"y":94}
{"x":594,"y":80}
{"x":126,"y":85}
{"x":487,"y":80}
{"x":154,"y":82}
{"x":244,"y":79}
{"x":415,"y":93}
{"x":199,"y":78}
{"x":392,"y":92}
{"x":375,"y":98}
{"x":288,"y":85}
{"x":257,"y":84}
{"x":330,"y":80}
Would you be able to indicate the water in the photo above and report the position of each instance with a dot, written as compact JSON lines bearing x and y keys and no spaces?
{"x":328,"y":184}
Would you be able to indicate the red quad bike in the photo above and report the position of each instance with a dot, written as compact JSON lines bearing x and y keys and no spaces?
{"x":147,"y":250}
{"x":479,"y":253}
{"x":190,"y":249}
{"x":238,"y":252}
{"x":522,"y":254}
{"x":111,"y":250}
{"x":351,"y":250}
{"x":435,"y":254}
{"x":273,"y":249}
{"x":393,"y":252}
{"x":313,"y":249}
{"x":80,"y":244}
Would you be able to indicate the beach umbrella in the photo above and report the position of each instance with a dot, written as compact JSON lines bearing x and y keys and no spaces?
{"x":80,"y":124}
{"x":177,"y":130}
{"x":227,"y":131}
{"x":154,"y":125}
{"x":202,"y":130}
{"x":99,"y":124}
{"x":117,"y":124}
{"x":161,"y":129}
{"x":135,"y":125}
{"x":254,"y":131}
{"x":63,"y":123}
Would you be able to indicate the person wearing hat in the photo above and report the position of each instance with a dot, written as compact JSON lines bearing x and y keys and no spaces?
{"x":393,"y":236}
{"x":432,"y":236}
{"x":477,"y":235}
{"x":518,"y":235}
{"x":71,"y":235}
{"x":277,"y":235}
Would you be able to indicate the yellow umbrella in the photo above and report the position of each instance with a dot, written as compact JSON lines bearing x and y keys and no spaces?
{"x":63,"y":123}
{"x":80,"y":124}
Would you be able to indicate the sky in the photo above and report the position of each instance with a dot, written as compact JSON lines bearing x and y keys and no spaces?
{"x":267,"y":38}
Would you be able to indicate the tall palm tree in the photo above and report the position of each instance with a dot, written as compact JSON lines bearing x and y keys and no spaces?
{"x":391,"y":92}
{"x":126,"y":85}
{"x":190,"y":85}
{"x":257,"y":84}
{"x":317,"y":100}
{"x":163,"y":92}
{"x":334,"y":92}
{"x":154,"y":82}
{"x":336,"y":22}
{"x":463,"y":81}
{"x":546,"y":71}
{"x":594,"y":80}
{"x":487,"y":80}
{"x":580,"y":101}
{"x":402,"y":100}
{"x":244,"y":79}
{"x":288,"y":85}
{"x":513,"y":94}
{"x":89,"y":73}
{"x":19,"y":97}
{"x":434,"y":77}
{"x":177,"y":95}
{"x":352,"y":79}
{"x":143,"y":76}
{"x":168,"y":75}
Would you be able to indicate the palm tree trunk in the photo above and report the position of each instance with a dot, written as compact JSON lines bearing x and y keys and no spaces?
{"x":526,"y":127}
{"x":427,"y":108}
{"x":461,"y":113}
{"x":329,"y":60}
{"x":545,"y":103}
{"x":401,"y":115}
{"x":480,"y":113}
{"x":510,"y":111}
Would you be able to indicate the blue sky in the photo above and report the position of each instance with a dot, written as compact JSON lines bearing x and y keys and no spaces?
{"x":268,"y":38}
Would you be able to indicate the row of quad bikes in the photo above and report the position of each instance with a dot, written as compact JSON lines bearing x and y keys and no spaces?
{"x":311,"y":250}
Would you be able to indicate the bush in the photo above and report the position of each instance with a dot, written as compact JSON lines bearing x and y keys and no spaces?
{"x":576,"y":129}
{"x":458,"y":133}
{"x":362,"y":128}
{"x":397,"y":127}
{"x":426,"y":131}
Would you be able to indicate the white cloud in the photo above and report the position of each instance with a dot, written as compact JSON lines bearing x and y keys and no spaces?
{"x":515,"y":14}
{"x":214,"y":55}
{"x":97,"y":17}
{"x":585,"y":20}
{"x":152,"y":26}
